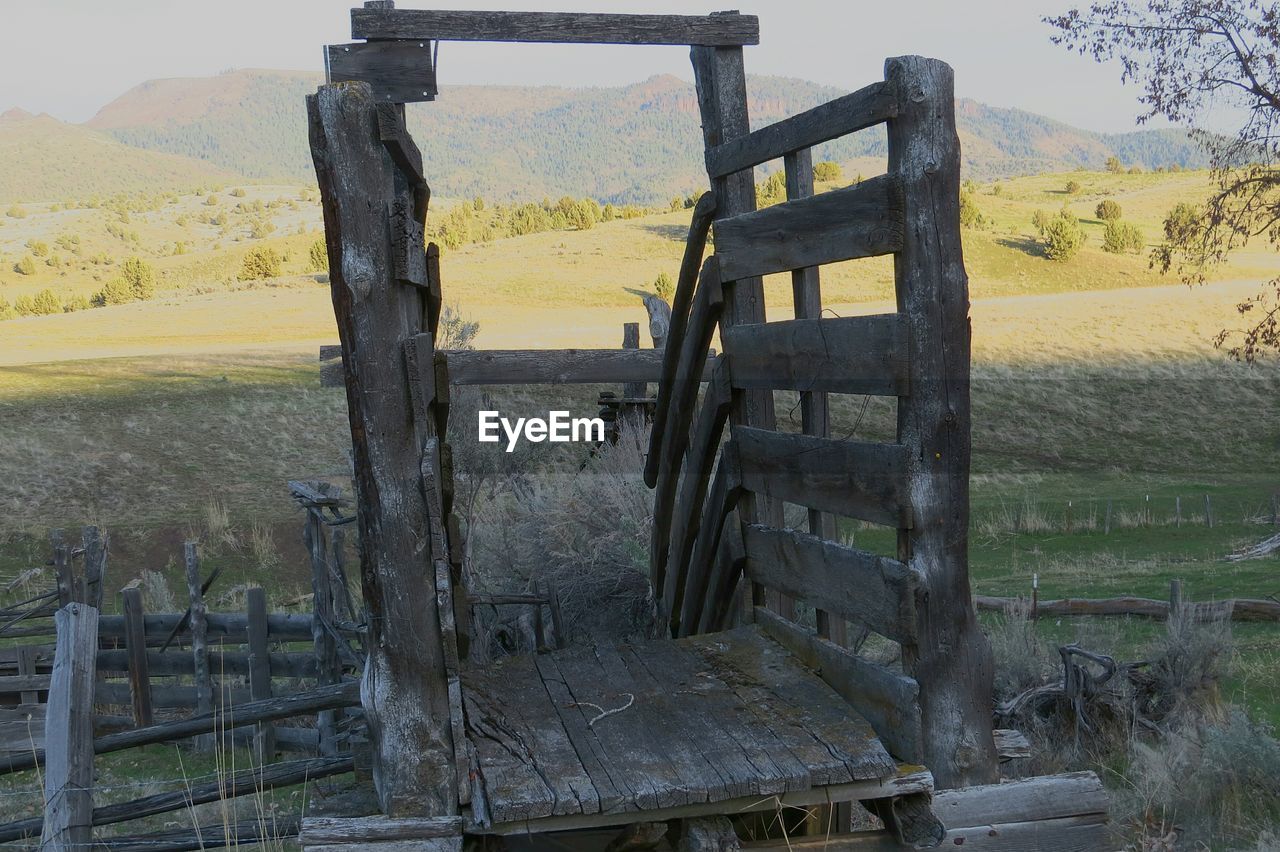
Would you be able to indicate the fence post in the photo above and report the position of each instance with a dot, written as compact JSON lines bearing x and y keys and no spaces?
{"x":62,"y":568}
{"x":95,"y":565}
{"x":264,"y":739}
{"x":68,"y":774}
{"x":328,"y":667}
{"x":135,"y":644}
{"x":1208,"y":512}
{"x":632,"y":413}
{"x":27,"y":666}
{"x":1275,"y":510}
{"x":1177,"y":512}
{"x":1175,"y":598}
{"x":1068,"y":517}
{"x":199,"y":641}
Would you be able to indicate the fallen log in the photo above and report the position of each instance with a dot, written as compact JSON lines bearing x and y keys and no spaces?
{"x":1237,"y":609}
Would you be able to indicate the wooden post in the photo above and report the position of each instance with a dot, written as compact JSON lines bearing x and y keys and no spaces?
{"x":952,"y":662}
{"x":62,"y":569}
{"x":1275,"y":510}
{"x":27,"y":666}
{"x":1177,"y":512}
{"x":68,"y":773}
{"x":95,"y":565}
{"x":1035,"y":596}
{"x":720,"y":79}
{"x":264,"y":740}
{"x":632,"y":414}
{"x":1106,"y":525}
{"x":202,"y":679}
{"x":369,"y":210}
{"x":1068,"y":517}
{"x":1147,"y":518}
{"x":1208,"y":512}
{"x":135,"y":643}
{"x":1175,"y":598}
{"x":328,"y":666}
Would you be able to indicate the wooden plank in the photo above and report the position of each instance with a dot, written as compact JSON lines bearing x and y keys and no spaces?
{"x":848,"y":114}
{"x":11,"y":684}
{"x":1072,"y":834}
{"x":449,"y":637}
{"x":94,"y":542}
{"x":682,"y":394}
{"x":68,"y":770}
{"x":889,"y":701}
{"x":554,"y":27}
{"x":406,"y":689}
{"x":1039,"y":798}
{"x":135,"y":640}
{"x":21,"y":730}
{"x":789,"y":697}
{"x":682,"y":303}
{"x":325,"y":831}
{"x":952,"y":661}
{"x":862,"y":355}
{"x":1011,"y":744}
{"x":687,"y":510}
{"x":873,"y":590}
{"x":296,"y":664}
{"x":398,"y":72}
{"x":526,"y":762}
{"x":907,"y":780}
{"x":857,"y":479}
{"x":726,"y":569}
{"x":864,"y":220}
{"x":260,"y":670}
{"x":558,"y":366}
{"x":725,"y":493}
{"x":324,"y":646}
{"x":26,"y":666}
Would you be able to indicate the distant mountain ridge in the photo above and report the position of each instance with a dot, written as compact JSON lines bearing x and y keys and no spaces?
{"x":638,"y":143}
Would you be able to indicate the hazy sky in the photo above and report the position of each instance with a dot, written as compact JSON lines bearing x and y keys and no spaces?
{"x":70,"y":57}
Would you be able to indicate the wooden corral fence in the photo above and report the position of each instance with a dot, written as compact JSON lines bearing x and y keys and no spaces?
{"x":744,"y":706}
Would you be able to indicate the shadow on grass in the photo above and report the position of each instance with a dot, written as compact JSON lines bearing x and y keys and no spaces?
{"x":1026,"y":245}
{"x":676,"y":233}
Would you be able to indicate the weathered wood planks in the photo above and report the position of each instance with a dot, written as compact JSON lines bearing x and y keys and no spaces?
{"x":848,"y":114}
{"x":68,"y":775}
{"x":863,"y":355}
{"x":864,"y":220}
{"x":857,"y":479}
{"x":397,"y":71}
{"x":437,"y":834}
{"x":555,"y":27}
{"x":860,"y":586}
{"x":889,"y":701}
{"x":557,"y":366}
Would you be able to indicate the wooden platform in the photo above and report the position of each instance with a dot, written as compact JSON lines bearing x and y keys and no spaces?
{"x":711,"y":723}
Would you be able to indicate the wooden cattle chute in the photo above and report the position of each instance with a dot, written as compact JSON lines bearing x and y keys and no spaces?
{"x":742,"y":707}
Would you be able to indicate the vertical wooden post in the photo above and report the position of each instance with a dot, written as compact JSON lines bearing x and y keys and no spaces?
{"x":720,"y":79}
{"x":62,"y":569}
{"x":95,"y":565}
{"x":27,"y":666}
{"x":135,"y":643}
{"x":328,"y":667}
{"x":1177,"y":511}
{"x":202,"y":678}
{"x":1106,"y":525}
{"x":1175,"y":598}
{"x":1208,"y":512}
{"x":1069,"y":518}
{"x":630,"y":413}
{"x":1275,"y":510}
{"x":68,"y":772}
{"x":264,"y":740}
{"x":369,"y":204}
{"x":952,"y":661}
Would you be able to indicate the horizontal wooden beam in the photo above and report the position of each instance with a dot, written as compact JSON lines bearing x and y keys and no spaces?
{"x":729,"y":30}
{"x":865,"y":355}
{"x":889,"y":701}
{"x":853,"y":112}
{"x":1232,"y":609}
{"x":1069,"y":834}
{"x":348,"y":831}
{"x":863,"y":220}
{"x":857,"y":479}
{"x":398,"y":72}
{"x":557,"y":366}
{"x":873,"y":590}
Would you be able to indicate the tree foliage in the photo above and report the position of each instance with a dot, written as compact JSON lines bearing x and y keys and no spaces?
{"x":1196,"y":61}
{"x":970,"y":214}
{"x":318,"y":256}
{"x":1041,"y":219}
{"x":261,"y":262}
{"x":1114,"y":166}
{"x":827,"y":171}
{"x":663,"y":286}
{"x":1108,"y":210}
{"x":1121,"y":237}
{"x":1063,"y":237}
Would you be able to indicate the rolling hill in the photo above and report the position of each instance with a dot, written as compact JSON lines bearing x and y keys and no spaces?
{"x":49,"y":160}
{"x":638,"y":143}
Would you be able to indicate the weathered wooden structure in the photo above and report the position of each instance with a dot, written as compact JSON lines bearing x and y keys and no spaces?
{"x":744,"y":706}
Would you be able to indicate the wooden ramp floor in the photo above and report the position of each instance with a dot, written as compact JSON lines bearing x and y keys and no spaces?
{"x":664,"y":726}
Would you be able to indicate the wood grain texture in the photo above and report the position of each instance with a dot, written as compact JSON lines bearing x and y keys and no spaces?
{"x":1072,"y":834}
{"x":201,"y":674}
{"x":398,"y":72}
{"x":862,"y":355}
{"x":135,"y":640}
{"x":857,"y":479}
{"x":860,"y":586}
{"x":952,"y":661}
{"x":406,"y":695}
{"x":887,"y":700}
{"x":558,"y":366}
{"x":324,"y":831}
{"x":863,"y":220}
{"x":260,"y":669}
{"x":554,"y":27}
{"x":726,"y":491}
{"x":848,"y":114}
{"x":68,"y":767}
